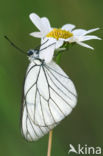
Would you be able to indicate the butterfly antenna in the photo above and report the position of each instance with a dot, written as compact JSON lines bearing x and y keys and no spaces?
{"x":47,"y":46}
{"x":38,"y":47}
{"x":16,"y":47}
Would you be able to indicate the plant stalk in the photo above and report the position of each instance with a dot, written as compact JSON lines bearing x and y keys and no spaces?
{"x":50,"y":143}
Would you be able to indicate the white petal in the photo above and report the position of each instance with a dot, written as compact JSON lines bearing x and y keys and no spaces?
{"x":36,"y":20}
{"x":46,"y":24}
{"x":85,"y":45}
{"x":82,"y":32}
{"x":68,"y":27}
{"x":47,"y":49}
{"x":89,"y":37}
{"x":79,"y":32}
{"x":71,"y":39}
{"x":59,"y":43}
{"x":36,"y":34}
{"x":91,"y":30}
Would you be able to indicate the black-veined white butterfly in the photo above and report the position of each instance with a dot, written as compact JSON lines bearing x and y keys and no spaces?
{"x":49,"y":96}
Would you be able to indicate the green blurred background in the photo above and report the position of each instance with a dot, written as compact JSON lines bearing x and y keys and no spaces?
{"x":84,"y":66}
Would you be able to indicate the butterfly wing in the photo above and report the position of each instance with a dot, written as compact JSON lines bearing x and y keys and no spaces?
{"x":31,"y":107}
{"x":63,"y":96}
{"x":49,"y":96}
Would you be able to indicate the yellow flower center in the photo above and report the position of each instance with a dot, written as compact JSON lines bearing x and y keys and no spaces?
{"x":59,"y":33}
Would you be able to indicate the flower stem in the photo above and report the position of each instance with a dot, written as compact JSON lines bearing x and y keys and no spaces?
{"x":51,"y":132}
{"x":50,"y":143}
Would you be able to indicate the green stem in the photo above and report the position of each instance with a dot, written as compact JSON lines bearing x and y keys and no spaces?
{"x":58,"y":58}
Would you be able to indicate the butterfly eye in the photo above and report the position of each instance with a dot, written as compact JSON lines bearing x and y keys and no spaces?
{"x":29,"y":53}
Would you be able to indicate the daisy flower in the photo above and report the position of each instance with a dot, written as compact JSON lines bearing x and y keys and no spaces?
{"x":57,"y":36}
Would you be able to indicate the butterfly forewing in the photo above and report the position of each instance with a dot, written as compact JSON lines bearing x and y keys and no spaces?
{"x":49,"y":96}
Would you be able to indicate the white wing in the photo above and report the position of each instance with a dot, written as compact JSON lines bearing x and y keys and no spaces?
{"x":49,"y":96}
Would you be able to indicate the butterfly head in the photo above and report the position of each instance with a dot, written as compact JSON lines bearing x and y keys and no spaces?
{"x":33,"y":54}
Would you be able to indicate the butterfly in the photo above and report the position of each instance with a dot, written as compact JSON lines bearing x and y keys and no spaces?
{"x":48,"y":95}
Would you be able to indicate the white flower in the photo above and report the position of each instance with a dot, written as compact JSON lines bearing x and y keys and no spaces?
{"x":56,"y":37}
{"x":80,"y":35}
